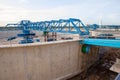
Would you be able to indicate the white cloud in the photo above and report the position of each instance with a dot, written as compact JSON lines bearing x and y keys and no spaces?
{"x":113,"y":15}
{"x":23,"y":1}
{"x":88,"y":13}
{"x":16,"y":14}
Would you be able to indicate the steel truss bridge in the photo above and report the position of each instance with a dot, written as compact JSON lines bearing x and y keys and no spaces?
{"x":71,"y":25}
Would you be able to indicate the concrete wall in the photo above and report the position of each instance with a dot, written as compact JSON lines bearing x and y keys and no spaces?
{"x":53,"y":61}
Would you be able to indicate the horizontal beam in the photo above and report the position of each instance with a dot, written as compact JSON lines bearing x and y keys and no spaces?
{"x":102,"y":42}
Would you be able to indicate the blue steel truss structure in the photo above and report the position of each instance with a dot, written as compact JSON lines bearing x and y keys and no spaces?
{"x":71,"y":25}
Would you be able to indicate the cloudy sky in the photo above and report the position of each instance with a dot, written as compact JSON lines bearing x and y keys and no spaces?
{"x":89,"y":11}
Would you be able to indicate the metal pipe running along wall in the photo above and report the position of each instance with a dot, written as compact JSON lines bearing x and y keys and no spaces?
{"x":102,"y":42}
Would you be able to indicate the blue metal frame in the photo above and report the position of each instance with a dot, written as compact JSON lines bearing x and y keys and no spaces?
{"x":93,"y":27}
{"x":71,"y":25}
{"x":102,"y":42}
{"x":27,"y":36}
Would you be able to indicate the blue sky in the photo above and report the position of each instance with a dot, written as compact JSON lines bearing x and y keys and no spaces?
{"x":89,"y":11}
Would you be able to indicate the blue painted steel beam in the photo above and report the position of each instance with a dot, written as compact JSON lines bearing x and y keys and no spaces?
{"x":70,"y":25}
{"x":102,"y":42}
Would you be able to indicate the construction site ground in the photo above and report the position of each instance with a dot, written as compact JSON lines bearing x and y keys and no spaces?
{"x":101,"y":69}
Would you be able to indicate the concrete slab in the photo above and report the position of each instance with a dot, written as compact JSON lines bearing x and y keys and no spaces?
{"x":116,"y":66}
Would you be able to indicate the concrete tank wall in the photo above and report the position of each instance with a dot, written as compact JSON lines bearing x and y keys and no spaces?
{"x":52,"y":61}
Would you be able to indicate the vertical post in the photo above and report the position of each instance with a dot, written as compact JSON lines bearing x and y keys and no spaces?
{"x":55,"y":36}
{"x":47,"y":36}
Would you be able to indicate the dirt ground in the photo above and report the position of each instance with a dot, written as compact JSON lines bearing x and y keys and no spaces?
{"x":97,"y":72}
{"x":100,"y":70}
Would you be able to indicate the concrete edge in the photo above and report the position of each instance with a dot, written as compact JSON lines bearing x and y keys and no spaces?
{"x":37,"y":43}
